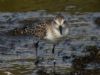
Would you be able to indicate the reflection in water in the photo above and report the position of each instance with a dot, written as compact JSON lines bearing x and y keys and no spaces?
{"x":79,"y":54}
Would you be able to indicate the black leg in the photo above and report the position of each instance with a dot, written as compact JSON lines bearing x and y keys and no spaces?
{"x":36,"y":47}
{"x":53,"y":49}
{"x":54,"y":61}
{"x":54,"y":65}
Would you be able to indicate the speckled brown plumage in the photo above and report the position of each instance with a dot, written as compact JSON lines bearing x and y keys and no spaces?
{"x":48,"y":29}
{"x":37,"y":30}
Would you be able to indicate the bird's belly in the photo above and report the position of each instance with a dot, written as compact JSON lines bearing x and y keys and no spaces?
{"x":55,"y":35}
{"x":52,"y":37}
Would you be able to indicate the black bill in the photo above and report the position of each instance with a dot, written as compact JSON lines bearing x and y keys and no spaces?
{"x":60,"y":29}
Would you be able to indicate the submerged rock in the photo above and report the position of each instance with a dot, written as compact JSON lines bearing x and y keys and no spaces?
{"x":97,"y":21}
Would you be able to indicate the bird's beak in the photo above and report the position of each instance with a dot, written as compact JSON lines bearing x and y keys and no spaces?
{"x":60,"y":29}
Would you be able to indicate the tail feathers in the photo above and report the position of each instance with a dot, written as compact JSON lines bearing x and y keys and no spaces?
{"x":18,"y":31}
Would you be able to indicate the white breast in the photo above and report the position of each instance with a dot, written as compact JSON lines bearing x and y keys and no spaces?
{"x":52,"y":35}
{"x":49,"y":36}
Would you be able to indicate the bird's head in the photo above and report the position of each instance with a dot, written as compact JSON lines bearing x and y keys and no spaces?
{"x":60,"y":23}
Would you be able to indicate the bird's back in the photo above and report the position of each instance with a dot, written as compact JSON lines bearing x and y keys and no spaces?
{"x":47,"y":29}
{"x":36,"y":29}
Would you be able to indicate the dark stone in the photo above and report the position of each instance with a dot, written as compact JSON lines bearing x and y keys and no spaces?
{"x":42,"y":72}
{"x":97,"y":21}
{"x":64,"y":58}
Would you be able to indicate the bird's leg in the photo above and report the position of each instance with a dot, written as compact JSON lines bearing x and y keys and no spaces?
{"x":53,"y":49}
{"x":54,"y":61}
{"x":36,"y":47}
{"x":54,"y":65}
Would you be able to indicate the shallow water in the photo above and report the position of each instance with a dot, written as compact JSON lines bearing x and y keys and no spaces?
{"x":17,"y":53}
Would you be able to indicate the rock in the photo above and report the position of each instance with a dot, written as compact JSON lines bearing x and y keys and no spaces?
{"x":97,"y":21}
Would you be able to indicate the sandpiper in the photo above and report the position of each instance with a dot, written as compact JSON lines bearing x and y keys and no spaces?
{"x":50,"y":30}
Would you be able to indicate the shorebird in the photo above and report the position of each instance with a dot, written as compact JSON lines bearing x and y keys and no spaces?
{"x":51,"y":30}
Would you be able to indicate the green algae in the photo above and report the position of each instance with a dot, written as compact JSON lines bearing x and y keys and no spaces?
{"x":50,"y":5}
